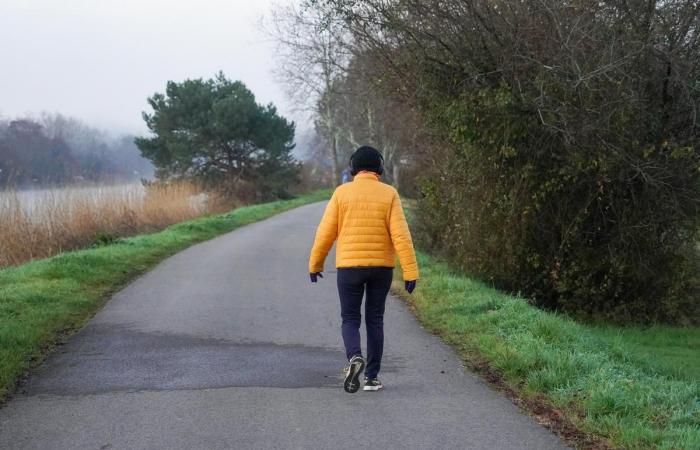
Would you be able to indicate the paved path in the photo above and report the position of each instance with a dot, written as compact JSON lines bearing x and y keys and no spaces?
{"x":227,"y":345}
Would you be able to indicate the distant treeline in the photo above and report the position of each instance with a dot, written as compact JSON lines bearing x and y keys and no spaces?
{"x":55,"y":149}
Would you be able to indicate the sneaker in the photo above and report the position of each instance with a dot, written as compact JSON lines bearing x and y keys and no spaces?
{"x":352,"y":375}
{"x":373,"y":384}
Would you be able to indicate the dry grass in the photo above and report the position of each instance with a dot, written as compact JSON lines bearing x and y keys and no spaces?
{"x":49,"y":222}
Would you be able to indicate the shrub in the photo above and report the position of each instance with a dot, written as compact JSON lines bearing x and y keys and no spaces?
{"x":569,"y":167}
{"x":582,"y":195}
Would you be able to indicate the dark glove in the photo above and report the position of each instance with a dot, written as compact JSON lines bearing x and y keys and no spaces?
{"x":314,"y":276}
{"x":410,"y":285}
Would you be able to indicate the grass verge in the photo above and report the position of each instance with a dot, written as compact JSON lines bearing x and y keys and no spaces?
{"x":42,"y":301}
{"x":635,"y":387}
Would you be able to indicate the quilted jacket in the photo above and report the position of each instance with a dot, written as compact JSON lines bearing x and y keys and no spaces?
{"x":366,"y":218}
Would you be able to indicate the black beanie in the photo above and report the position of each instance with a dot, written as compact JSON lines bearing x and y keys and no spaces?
{"x":366,"y":158}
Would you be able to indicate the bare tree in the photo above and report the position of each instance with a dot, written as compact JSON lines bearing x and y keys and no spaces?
{"x":366,"y":114}
{"x":312,"y":54}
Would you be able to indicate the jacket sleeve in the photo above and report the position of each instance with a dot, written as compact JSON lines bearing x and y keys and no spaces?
{"x":401,"y":238}
{"x":326,"y":233}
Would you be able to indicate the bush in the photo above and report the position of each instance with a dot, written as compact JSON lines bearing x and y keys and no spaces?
{"x":582,"y":198}
{"x":571,"y":227}
{"x":569,"y":167}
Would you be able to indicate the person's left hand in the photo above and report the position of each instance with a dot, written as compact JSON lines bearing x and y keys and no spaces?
{"x":410,"y":285}
{"x":315,"y":276}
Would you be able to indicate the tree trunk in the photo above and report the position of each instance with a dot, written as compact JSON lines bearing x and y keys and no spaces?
{"x":370,"y":125}
{"x":395,"y":169}
{"x":334,"y":157}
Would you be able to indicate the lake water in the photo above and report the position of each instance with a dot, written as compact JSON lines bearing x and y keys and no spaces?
{"x":34,"y":202}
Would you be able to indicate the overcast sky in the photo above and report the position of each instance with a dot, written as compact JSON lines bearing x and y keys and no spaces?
{"x":98,"y":60}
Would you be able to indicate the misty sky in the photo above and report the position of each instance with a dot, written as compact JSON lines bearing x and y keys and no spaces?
{"x":98,"y":60}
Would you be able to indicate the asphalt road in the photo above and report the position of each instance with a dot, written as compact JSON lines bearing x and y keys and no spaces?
{"x":228,"y":345}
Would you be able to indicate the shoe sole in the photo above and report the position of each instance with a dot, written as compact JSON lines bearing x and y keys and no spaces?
{"x":352,"y":382}
{"x":373,"y":388}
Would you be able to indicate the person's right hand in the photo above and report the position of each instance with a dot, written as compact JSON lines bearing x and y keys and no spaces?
{"x":314,"y":276}
{"x":410,"y":285}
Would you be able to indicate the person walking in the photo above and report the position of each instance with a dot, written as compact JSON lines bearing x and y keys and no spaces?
{"x":345,"y":176}
{"x":366,"y":218}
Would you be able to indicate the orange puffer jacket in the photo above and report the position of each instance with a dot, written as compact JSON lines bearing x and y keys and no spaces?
{"x":367,"y":219}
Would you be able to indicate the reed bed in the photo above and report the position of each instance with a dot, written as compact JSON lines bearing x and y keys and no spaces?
{"x":40,"y":224}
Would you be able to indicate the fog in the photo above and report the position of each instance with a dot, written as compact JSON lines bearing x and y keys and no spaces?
{"x":98,"y":61}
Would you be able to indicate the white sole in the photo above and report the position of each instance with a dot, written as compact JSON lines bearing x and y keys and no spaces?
{"x":373,"y":388}
{"x":351,"y":384}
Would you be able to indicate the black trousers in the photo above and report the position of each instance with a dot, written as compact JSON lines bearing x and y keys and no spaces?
{"x":352,"y":285}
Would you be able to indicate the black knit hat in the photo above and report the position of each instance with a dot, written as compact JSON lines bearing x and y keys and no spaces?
{"x":366,"y":158}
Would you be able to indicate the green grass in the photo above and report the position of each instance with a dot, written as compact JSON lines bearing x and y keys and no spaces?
{"x":665,"y":350}
{"x":42,"y":300}
{"x":639,"y":388}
